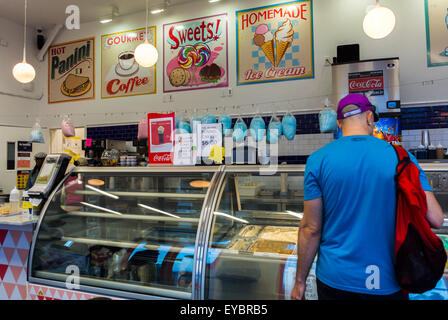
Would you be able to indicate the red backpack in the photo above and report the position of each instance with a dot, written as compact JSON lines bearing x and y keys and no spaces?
{"x":419,"y":254}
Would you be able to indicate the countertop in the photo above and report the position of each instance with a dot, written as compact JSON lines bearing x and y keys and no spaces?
{"x":17,"y":220}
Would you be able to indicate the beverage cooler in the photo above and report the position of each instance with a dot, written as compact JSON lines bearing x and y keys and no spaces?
{"x":227,"y":232}
{"x":377,"y":77}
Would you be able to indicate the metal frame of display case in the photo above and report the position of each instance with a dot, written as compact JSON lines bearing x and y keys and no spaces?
{"x":157,"y":293}
{"x":203,"y":230}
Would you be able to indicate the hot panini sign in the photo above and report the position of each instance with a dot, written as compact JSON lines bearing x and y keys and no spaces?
{"x":275,"y":43}
{"x":71,"y":71}
{"x":121,"y":75}
{"x":195,"y":54}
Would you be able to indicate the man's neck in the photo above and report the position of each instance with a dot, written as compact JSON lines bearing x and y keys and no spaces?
{"x":346,"y":133}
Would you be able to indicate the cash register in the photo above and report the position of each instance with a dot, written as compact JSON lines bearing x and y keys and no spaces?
{"x":51,"y":173}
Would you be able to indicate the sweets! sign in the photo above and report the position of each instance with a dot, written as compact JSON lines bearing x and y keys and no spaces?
{"x":275,"y":43}
{"x":71,"y":71}
{"x":121,"y":75}
{"x":195,"y":54}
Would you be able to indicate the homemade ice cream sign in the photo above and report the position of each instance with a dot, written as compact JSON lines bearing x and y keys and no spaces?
{"x":195,"y":54}
{"x":71,"y":71}
{"x":275,"y":43}
{"x":121,"y":75}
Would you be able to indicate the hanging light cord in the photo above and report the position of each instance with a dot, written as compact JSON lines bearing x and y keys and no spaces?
{"x":146,"y":21}
{"x":24,"y":35}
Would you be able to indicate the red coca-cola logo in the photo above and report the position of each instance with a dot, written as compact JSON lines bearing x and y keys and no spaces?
{"x":162,"y":158}
{"x":366,"y":84}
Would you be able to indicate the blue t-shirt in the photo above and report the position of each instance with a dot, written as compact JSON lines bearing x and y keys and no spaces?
{"x":354,"y":175}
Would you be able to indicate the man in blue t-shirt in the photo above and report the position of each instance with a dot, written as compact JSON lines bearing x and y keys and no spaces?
{"x":349,"y":211}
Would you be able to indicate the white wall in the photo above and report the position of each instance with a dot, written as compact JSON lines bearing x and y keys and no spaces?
{"x":18,"y":110}
{"x":335,"y":22}
{"x":8,"y":178}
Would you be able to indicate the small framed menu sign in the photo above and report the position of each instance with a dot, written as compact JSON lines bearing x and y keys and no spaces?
{"x":210,"y":136}
{"x":183,"y":150}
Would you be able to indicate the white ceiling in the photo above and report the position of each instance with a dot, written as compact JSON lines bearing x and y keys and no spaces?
{"x":50,"y":12}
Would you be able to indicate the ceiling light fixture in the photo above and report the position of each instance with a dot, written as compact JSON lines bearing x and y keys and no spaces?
{"x":379,"y":22}
{"x":108,"y":18}
{"x":211,"y":1}
{"x":146,"y":54}
{"x":23,"y":71}
{"x":157,"y":11}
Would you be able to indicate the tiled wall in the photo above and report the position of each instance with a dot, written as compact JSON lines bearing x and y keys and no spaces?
{"x":416,"y":119}
{"x":308,"y":137}
{"x":123,"y":133}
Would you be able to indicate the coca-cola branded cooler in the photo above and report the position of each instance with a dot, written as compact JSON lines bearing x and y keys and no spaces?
{"x":380,"y":77}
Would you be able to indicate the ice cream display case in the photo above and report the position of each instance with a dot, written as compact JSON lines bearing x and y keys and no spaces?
{"x":215,"y":232}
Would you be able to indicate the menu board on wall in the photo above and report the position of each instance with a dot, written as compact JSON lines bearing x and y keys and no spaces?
{"x":121,"y":75}
{"x":71,"y":71}
{"x":436,"y":12}
{"x":195,"y":54}
{"x":275,"y":43}
{"x":161,"y":138}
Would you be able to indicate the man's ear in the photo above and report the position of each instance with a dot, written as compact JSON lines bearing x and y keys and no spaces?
{"x":339,"y":124}
{"x":370,"y":117}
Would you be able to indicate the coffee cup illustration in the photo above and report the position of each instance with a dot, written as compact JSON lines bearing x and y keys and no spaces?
{"x":161,"y":132}
{"x":126,"y":60}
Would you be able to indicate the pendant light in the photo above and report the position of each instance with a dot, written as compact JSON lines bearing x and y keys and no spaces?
{"x":146,"y":54}
{"x":23,"y":71}
{"x":379,"y":22}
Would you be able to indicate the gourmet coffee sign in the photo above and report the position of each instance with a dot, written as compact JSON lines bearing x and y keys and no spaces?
{"x":71,"y":71}
{"x":369,"y":81}
{"x":121,"y":75}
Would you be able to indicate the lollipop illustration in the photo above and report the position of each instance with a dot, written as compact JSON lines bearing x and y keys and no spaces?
{"x":192,"y":57}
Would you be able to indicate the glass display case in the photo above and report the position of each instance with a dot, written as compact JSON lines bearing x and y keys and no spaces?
{"x":227,"y":232}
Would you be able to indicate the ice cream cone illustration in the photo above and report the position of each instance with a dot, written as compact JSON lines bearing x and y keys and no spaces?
{"x":264,"y":38}
{"x":161,"y":131}
{"x":283,"y":38}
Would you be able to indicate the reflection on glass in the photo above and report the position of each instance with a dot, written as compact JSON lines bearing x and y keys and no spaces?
{"x":253,"y":245}
{"x":130,"y":233}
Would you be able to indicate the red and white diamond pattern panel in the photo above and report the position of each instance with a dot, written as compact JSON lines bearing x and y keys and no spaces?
{"x":38,"y":292}
{"x":14,"y":248}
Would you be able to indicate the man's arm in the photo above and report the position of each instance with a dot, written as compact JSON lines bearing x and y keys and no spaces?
{"x":435,"y":214}
{"x":308,"y":243}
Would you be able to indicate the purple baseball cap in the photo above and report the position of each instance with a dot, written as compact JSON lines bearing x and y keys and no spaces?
{"x":359,"y":100}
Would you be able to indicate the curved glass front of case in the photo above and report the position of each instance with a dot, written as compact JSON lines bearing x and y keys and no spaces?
{"x":128,"y":231}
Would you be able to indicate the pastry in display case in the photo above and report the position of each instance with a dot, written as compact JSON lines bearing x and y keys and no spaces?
{"x":182,"y":232}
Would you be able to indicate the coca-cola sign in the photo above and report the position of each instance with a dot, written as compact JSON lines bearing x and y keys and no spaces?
{"x":363,"y":82}
{"x":161,"y":138}
{"x":163,"y":158}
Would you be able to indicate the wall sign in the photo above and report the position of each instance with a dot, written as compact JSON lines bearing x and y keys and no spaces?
{"x":275,"y":43}
{"x":121,"y":75}
{"x":71,"y":71}
{"x":363,"y":82}
{"x":436,"y":12}
{"x":195,"y":54}
{"x":161,"y":138}
{"x":24,"y":146}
